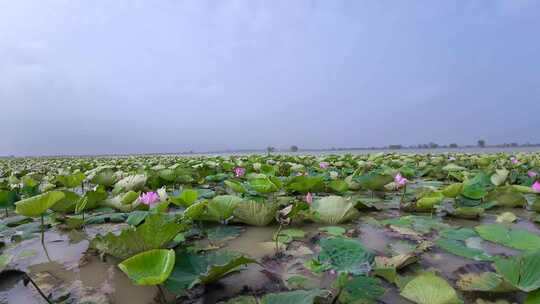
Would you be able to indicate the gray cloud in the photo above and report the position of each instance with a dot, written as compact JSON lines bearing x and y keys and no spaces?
{"x":86,"y":77}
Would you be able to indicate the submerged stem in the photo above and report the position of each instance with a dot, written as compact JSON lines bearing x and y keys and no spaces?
{"x":38,"y":289}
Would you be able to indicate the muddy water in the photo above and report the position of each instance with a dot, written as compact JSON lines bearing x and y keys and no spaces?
{"x":64,"y":269}
{"x":61,"y":268}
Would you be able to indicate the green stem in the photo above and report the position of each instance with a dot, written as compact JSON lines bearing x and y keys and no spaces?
{"x":277,"y":238}
{"x":7,"y":213}
{"x":42,"y":229}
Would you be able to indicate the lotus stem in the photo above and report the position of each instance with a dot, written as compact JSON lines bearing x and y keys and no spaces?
{"x":7,"y":212}
{"x":277,"y":237}
{"x":42,"y":230}
{"x":403,"y":193}
{"x":38,"y":289}
{"x":162,"y":298}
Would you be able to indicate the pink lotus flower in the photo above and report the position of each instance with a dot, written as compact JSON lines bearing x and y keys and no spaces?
{"x":239,"y":171}
{"x":149,"y":198}
{"x":400,"y":180}
{"x":514,"y":160}
{"x":309,"y":198}
{"x":536,"y":187}
{"x":532,"y":174}
{"x":324,"y":165}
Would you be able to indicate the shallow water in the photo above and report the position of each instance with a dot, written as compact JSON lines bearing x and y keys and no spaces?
{"x":61,"y":267}
{"x":64,"y":268}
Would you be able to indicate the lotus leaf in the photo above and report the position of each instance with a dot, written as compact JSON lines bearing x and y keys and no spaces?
{"x":191,"y":269}
{"x":256,"y":213}
{"x":151,"y":267}
{"x":37,"y":205}
{"x":515,"y":238}
{"x":157,"y":230}
{"x":333,"y":210}
{"x":428,"y":288}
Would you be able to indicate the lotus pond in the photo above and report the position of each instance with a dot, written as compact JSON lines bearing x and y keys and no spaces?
{"x":377,"y":228}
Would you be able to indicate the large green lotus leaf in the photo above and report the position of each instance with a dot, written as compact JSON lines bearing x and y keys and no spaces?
{"x":132,"y":182}
{"x":255,"y":213}
{"x":157,"y":230}
{"x":222,"y":233}
{"x":515,"y":238}
{"x":305,"y":184}
{"x":499,"y":177}
{"x":221,"y":208}
{"x":522,"y":272}
{"x":338,"y":186}
{"x":523,"y":189}
{"x":429,"y":200}
{"x":96,"y":196}
{"x":72,"y":180}
{"x":195,"y":211}
{"x":167,"y":174}
{"x":333,"y":210}
{"x":151,"y":267}
{"x":68,"y":203}
{"x":351,"y":184}
{"x":509,"y":199}
{"x":467,"y":212}
{"x":428,"y":288}
{"x":453,"y":167}
{"x":452,"y":190}
{"x":129,"y":197}
{"x":474,"y":191}
{"x":263,"y":185}
{"x":186,"y":198}
{"x":116,"y":203}
{"x":7,"y":198}
{"x":362,"y":289}
{"x":480,"y":277}
{"x":387,"y":267}
{"x":37,"y":205}
{"x":191,"y":269}
{"x":344,"y":255}
{"x":422,"y":224}
{"x":235,"y":186}
{"x":374,"y":180}
{"x":461,"y":249}
{"x":293,"y":297}
{"x":105,"y":177}
{"x":460,"y":234}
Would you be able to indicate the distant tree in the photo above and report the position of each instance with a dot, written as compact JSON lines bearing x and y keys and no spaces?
{"x":294,"y":148}
{"x":433,"y":145}
{"x":395,"y":147}
{"x":270,"y":149}
{"x":453,"y":145}
{"x":481,"y":143}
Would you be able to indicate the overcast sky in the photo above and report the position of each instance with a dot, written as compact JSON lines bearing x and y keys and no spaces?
{"x":125,"y":76}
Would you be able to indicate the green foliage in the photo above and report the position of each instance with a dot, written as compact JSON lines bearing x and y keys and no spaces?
{"x":151,"y":267}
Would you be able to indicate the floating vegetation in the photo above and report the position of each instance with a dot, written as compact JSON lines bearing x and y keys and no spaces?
{"x":386,"y":227}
